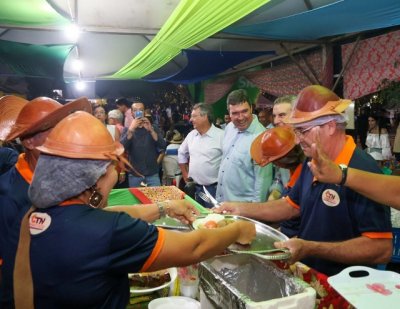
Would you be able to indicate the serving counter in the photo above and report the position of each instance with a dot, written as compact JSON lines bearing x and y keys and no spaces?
{"x":326,"y":296}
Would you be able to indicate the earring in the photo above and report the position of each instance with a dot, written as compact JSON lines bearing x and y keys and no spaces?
{"x":95,"y":198}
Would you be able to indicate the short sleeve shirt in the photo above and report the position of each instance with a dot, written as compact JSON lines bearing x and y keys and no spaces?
{"x":337,"y":213}
{"x":81,"y":260}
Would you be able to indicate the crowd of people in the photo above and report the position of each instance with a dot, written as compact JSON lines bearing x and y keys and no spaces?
{"x":293,"y":166}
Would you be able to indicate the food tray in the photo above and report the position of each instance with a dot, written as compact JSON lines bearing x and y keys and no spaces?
{"x":264,"y":241}
{"x":173,"y":273}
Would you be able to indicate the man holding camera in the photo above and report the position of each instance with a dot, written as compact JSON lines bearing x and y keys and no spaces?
{"x":143,"y":142}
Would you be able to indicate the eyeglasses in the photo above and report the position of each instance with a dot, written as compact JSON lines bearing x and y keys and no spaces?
{"x":301,"y":131}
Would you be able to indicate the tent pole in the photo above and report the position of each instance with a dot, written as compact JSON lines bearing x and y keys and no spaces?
{"x":310,"y":69}
{"x":344,"y":68}
{"x":297,"y":63}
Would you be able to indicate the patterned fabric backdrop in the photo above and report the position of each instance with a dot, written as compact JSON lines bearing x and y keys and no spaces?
{"x":287,"y":78}
{"x":281,"y":79}
{"x":374,"y":60}
{"x":214,"y":91}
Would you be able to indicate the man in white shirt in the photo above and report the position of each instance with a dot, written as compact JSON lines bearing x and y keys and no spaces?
{"x":200,"y":154}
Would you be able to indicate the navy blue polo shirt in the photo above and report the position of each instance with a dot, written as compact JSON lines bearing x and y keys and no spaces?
{"x":14,"y":203}
{"x":337,"y":213}
{"x":291,"y":227}
{"x":8,"y":157}
{"x":81,"y":256}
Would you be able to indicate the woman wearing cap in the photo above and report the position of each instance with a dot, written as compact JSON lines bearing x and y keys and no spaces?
{"x":79,"y":254}
{"x":30,"y":122}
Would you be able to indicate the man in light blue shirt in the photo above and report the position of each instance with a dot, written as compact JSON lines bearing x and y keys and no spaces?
{"x":239,"y":177}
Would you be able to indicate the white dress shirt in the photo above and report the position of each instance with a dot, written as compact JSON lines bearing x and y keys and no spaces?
{"x":205,"y":154}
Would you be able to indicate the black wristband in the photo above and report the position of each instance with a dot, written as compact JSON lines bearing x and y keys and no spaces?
{"x":343,"y":167}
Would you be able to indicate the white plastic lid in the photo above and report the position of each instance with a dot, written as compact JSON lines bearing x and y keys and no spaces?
{"x":174,"y":302}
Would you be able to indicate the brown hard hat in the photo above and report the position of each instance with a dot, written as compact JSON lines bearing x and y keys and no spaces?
{"x":316,"y":101}
{"x":10,"y":107}
{"x":42,"y":114}
{"x":272,"y":145}
{"x":81,"y":136}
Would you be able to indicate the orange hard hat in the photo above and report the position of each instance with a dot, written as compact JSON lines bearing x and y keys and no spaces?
{"x":82,"y":136}
{"x":316,"y":101}
{"x":42,"y":114}
{"x":10,"y":107}
{"x":272,"y":144}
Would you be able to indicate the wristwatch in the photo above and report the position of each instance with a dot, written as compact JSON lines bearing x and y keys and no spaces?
{"x":343,"y":168}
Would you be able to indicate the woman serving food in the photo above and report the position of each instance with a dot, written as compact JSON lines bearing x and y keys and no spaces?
{"x":73,"y":254}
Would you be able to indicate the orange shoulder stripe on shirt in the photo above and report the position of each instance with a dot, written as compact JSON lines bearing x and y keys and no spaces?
{"x":293,"y":204}
{"x":387,"y":235}
{"x":156,"y":250}
{"x":23,"y":168}
{"x":347,"y":151}
{"x":294,"y":176}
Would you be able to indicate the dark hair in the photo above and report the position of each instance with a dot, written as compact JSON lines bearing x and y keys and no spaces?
{"x":205,"y":109}
{"x":138,"y":101}
{"x":123,"y":101}
{"x":236,"y":97}
{"x":381,"y":123}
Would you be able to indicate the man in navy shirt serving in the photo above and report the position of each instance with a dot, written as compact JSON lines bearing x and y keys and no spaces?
{"x":339,"y":227}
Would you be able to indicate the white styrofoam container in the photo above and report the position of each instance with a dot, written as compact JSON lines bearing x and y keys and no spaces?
{"x":216,"y":292}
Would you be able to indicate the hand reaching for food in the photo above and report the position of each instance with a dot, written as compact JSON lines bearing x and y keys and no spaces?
{"x":247,"y":232}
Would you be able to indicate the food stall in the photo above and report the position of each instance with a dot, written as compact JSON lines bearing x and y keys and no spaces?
{"x":240,"y":280}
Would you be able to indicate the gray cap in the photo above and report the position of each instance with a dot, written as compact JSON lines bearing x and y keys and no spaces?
{"x":57,"y":179}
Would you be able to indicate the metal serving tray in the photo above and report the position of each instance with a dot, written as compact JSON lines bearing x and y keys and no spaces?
{"x":263,"y":244}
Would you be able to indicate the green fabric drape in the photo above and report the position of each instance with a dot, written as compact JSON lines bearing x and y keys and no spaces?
{"x":190,"y":23}
{"x":30,"y":13}
{"x":27,"y":60}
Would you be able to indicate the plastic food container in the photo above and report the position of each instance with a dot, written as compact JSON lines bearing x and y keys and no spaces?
{"x":174,"y":302}
{"x":246,"y":281}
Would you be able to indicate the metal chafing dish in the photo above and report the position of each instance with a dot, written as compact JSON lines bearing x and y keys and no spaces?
{"x":245,"y":281}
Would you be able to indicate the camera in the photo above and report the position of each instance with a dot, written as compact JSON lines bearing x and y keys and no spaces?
{"x":138,"y":114}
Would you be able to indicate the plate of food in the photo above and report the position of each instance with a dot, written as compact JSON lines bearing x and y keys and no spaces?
{"x":148,"y":282}
{"x":260,"y":246}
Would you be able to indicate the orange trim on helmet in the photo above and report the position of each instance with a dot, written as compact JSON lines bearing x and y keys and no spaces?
{"x":330,"y":108}
{"x":156,"y":250}
{"x":293,"y":204}
{"x":23,"y":168}
{"x":376,"y":235}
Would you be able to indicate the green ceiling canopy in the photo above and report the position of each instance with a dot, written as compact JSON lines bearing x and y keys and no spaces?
{"x":27,"y":60}
{"x":30,"y":13}
{"x":190,"y":23}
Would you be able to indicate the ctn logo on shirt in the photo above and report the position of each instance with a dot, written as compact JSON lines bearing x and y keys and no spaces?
{"x":39,"y":222}
{"x":330,"y":198}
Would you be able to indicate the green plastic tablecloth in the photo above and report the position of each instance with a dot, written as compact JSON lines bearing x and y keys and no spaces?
{"x":125,"y":197}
